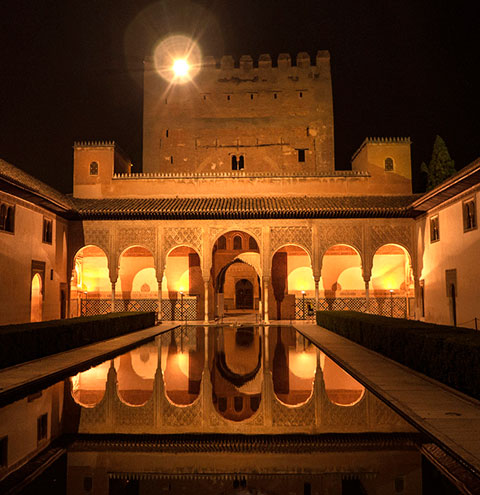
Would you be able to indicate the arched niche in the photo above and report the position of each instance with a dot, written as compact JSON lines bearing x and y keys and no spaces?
{"x":183,"y":355}
{"x":342,"y":272}
{"x":341,"y":388}
{"x":237,"y":372}
{"x":182,"y":279}
{"x":135,"y":374}
{"x":88,"y":387}
{"x":36,"y":298}
{"x":293,"y":365}
{"x":392,"y":282}
{"x":137,"y":279}
{"x":90,"y":282}
{"x":292,"y":278}
{"x":235,"y":257}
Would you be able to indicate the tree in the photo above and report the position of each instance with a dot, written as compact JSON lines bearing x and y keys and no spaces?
{"x":441,"y":166}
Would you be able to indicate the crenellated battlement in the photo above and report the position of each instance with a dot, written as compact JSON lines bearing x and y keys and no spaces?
{"x":376,"y":140}
{"x":83,"y":144}
{"x":283,"y":62}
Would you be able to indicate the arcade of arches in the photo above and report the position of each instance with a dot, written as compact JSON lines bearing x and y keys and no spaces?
{"x":238,"y":277}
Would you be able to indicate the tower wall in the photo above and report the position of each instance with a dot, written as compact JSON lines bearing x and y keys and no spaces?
{"x":279,"y":119}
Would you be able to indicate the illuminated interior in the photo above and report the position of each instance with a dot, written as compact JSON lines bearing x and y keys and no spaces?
{"x":36,"y":298}
{"x":391,"y":271}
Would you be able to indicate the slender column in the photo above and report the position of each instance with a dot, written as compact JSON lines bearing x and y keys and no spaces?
{"x":317,"y":293}
{"x":367,"y":295}
{"x":159,"y":297}
{"x":112,"y":301}
{"x":266,"y":355}
{"x":205,"y":284}
{"x":265,"y":297}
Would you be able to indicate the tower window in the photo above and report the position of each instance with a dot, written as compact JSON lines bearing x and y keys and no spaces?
{"x":222,"y":242}
{"x":275,"y":96}
{"x":7,"y":218}
{"x":300,"y":94}
{"x":228,"y":97}
{"x":237,"y":242}
{"x":388,"y":164}
{"x":241,"y":163}
{"x":47,"y":231}
{"x":251,"y":96}
{"x":94,"y":168}
{"x":434,"y":229}
{"x":469,"y":215}
{"x":4,"y":452}
{"x":166,"y":133}
{"x":171,"y":159}
{"x":234,"y":162}
{"x":301,"y":155}
{"x":42,"y":427}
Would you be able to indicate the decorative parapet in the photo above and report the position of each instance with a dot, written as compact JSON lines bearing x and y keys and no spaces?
{"x":246,"y":62}
{"x":382,"y":140}
{"x":241,"y":175}
{"x":80,"y":144}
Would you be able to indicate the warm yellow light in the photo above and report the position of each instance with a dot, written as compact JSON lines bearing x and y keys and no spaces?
{"x":180,"y":67}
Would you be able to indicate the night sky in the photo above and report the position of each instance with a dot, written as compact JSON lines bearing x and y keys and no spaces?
{"x":71,"y":70}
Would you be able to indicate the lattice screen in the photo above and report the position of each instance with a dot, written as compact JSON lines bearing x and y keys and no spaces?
{"x":386,"y":306}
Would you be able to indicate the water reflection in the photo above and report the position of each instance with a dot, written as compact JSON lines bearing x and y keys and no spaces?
{"x":88,"y":387}
{"x":182,"y":357}
{"x":237,"y":372}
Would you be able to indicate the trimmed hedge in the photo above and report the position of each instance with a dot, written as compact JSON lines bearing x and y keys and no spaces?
{"x":27,"y":341}
{"x":447,"y":354}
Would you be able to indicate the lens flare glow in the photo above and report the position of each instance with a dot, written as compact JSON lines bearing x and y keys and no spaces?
{"x":180,"y":67}
{"x":177,"y":59}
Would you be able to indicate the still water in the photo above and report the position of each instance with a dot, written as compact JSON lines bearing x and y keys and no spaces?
{"x":218,"y":410}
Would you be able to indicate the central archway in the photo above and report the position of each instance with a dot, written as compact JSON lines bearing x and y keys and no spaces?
{"x":236,"y":273}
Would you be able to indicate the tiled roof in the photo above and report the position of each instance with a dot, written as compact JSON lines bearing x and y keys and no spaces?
{"x":246,"y":207}
{"x":28,"y":187}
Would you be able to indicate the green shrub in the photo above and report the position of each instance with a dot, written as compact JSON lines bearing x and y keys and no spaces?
{"x":27,"y":341}
{"x":447,"y":354}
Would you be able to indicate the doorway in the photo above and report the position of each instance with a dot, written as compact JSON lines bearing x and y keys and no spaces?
{"x":244,"y":294}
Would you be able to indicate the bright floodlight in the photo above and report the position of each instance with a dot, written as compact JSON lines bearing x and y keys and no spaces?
{"x":181,"y":67}
{"x":177,"y":59}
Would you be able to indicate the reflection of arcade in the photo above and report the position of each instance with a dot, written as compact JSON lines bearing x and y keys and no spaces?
{"x":293,"y":365}
{"x":237,"y":373}
{"x":183,"y":360}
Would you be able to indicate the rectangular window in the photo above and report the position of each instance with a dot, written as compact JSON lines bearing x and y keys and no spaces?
{"x":7,"y":218}
{"x":42,"y":427}
{"x":422,"y":297}
{"x":434,"y":229}
{"x":3,"y":452}
{"x":47,"y":231}
{"x":301,"y":155}
{"x":469,"y":215}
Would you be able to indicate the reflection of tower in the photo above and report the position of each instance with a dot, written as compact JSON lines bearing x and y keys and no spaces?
{"x":280,"y":367}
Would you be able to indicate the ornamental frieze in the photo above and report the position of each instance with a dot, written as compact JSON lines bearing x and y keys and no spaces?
{"x":136,"y":236}
{"x":182,"y":236}
{"x":300,"y":236}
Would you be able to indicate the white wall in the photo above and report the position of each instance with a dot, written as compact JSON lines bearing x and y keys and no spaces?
{"x":456,"y":249}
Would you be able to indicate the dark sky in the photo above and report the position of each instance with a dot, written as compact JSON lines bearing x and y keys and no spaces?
{"x":71,"y":69}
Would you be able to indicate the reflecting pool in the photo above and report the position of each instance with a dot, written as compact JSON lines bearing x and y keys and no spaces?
{"x":217,"y":410}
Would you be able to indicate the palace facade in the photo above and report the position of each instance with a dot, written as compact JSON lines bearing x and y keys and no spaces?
{"x":240,"y":208}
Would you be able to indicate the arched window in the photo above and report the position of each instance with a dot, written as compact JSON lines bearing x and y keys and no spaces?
{"x":234,"y":162}
{"x":237,"y":242}
{"x":222,"y":242}
{"x":10,"y":220}
{"x":241,"y":163}
{"x":94,"y":168}
{"x":388,"y":164}
{"x":252,"y":244}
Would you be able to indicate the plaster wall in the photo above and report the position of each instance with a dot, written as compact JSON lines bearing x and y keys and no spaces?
{"x":18,"y":421}
{"x":456,"y":250}
{"x":18,"y":249}
{"x":263,"y":113}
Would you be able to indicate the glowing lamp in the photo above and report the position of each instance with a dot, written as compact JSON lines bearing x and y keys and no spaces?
{"x":180,"y":67}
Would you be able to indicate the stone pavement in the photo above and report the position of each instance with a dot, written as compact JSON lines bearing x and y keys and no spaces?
{"x":23,"y":379}
{"x":449,"y":417}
